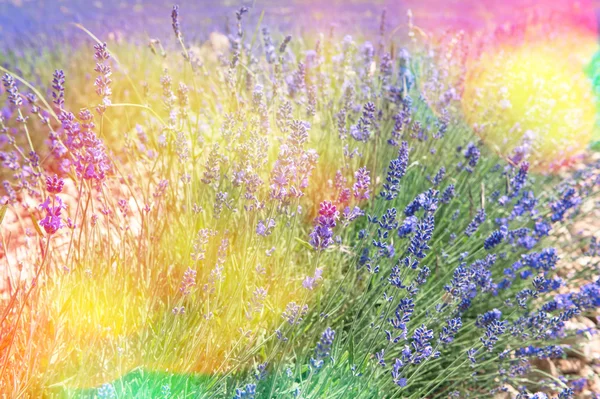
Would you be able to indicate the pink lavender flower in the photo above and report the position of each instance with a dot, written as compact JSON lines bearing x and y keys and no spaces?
{"x":52,"y":222}
{"x":90,"y":159}
{"x":123,"y":207}
{"x":189,"y":281}
{"x":322,"y":235}
{"x":54,"y":185}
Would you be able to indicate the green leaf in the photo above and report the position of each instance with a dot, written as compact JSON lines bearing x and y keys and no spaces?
{"x":595,"y":145}
{"x":36,"y":224}
{"x":304,"y":243}
{"x":3,"y":212}
{"x":351,"y":349}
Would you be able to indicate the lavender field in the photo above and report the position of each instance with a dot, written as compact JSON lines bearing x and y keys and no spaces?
{"x":299,"y":199}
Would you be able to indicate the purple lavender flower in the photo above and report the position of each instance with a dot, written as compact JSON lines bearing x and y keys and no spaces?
{"x":293,"y":313}
{"x":323,"y":349}
{"x":212,"y":165}
{"x":101,"y":52}
{"x":493,"y":330}
{"x":257,"y":302}
{"x":408,"y":226}
{"x":322,"y":235}
{"x":566,"y":393}
{"x":351,"y":214}
{"x":519,"y":180}
{"x":387,"y":223}
{"x":362,"y":130}
{"x":419,"y":242}
{"x":472,"y":155}
{"x":249,"y":392}
{"x":310,"y":282}
{"x":268,"y":46}
{"x":54,"y":185}
{"x":449,"y":331}
{"x":439,"y":176}
{"x":103,"y":81}
{"x":264,"y":227}
{"x":488,"y":317}
{"x":448,"y":194}
{"x":495,"y":238}
{"x":284,"y":43}
{"x":397,"y":373}
{"x":421,"y":345}
{"x":475,"y":223}
{"x":545,"y":260}
{"x":52,"y":222}
{"x":396,"y":171}
{"x":361,"y":187}
{"x":11,"y":88}
{"x":175,"y":21}
{"x":106,"y":391}
{"x":58,"y":86}
{"x":568,"y":200}
{"x":188,"y":281}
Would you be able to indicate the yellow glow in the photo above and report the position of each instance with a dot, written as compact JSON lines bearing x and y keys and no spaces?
{"x":533,"y":92}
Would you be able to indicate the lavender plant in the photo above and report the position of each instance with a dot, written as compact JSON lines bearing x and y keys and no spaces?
{"x":284,"y":218}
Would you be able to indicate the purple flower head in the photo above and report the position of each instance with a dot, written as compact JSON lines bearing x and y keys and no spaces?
{"x":175,"y":21}
{"x":472,"y":154}
{"x":188,"y":281}
{"x":293,"y":313}
{"x":448,"y":194}
{"x":449,"y":331}
{"x":249,"y":392}
{"x":488,"y":317}
{"x":396,"y":171}
{"x":52,"y":221}
{"x":362,"y":130}
{"x":362,"y":185}
{"x":439,"y":176}
{"x":421,"y":345}
{"x":323,"y":349}
{"x":351,"y":214}
{"x":264,"y":228}
{"x":397,"y":369}
{"x":54,"y":185}
{"x":475,"y":223}
{"x":428,"y":201}
{"x":568,"y":200}
{"x":11,"y":88}
{"x":284,"y":43}
{"x":58,"y":86}
{"x":519,"y":180}
{"x":408,"y":226}
{"x":419,"y":242}
{"x":101,"y":52}
{"x":310,"y":282}
{"x":322,"y":235}
{"x":566,"y":393}
{"x":495,"y":238}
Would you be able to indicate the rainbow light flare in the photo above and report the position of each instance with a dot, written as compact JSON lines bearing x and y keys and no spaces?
{"x":523,"y":95}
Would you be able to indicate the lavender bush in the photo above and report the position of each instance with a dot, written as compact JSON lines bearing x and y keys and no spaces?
{"x":272,"y":216}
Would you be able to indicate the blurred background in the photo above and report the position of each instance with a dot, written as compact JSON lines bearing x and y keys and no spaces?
{"x":43,"y":20}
